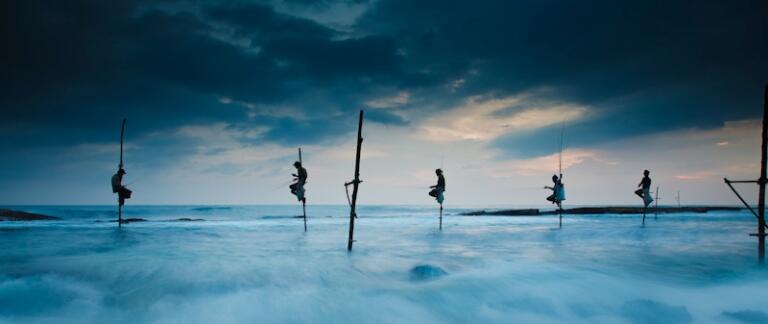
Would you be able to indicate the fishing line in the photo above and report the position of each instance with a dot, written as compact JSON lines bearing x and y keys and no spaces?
{"x":286,"y":183}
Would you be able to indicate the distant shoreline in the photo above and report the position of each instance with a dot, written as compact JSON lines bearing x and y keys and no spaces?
{"x":601,"y":210}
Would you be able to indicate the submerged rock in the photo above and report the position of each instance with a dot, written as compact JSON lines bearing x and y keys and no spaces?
{"x":602,"y":210}
{"x":185,"y":219}
{"x":747,"y":316}
{"x":14,"y":215}
{"x":643,"y":311}
{"x":425,"y":272}
{"x":131,"y":220}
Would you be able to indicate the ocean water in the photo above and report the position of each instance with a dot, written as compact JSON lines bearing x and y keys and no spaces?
{"x":255,"y":264}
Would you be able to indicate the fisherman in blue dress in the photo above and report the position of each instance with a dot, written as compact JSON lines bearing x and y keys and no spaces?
{"x":558,"y":191}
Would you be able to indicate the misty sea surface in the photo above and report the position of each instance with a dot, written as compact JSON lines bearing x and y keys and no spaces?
{"x":255,"y":264}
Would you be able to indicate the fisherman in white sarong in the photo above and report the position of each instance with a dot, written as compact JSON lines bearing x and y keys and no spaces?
{"x":297,"y":188}
{"x":645,"y":189}
{"x":439,"y":188}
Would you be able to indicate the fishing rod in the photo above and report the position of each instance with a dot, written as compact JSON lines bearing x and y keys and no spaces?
{"x":132,"y":182}
{"x":283,"y":184}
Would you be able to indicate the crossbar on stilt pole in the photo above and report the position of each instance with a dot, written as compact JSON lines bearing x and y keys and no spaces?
{"x":761,"y":182}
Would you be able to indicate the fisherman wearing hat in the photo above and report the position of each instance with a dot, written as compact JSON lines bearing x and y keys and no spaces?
{"x":439,"y":188}
{"x":297,"y":188}
{"x":117,"y":186}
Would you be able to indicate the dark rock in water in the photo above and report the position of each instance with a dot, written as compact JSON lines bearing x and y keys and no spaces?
{"x":747,"y":316}
{"x":510,"y":212}
{"x":131,"y":220}
{"x":601,"y":210}
{"x":425,"y":272}
{"x":648,"y":311}
{"x":14,"y":215}
{"x":190,"y":219}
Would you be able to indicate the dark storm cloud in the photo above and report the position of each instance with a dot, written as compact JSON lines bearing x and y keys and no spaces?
{"x":644,"y":66}
{"x":261,"y":23}
{"x":73,"y":69}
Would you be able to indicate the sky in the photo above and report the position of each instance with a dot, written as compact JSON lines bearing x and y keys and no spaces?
{"x":220,"y":94}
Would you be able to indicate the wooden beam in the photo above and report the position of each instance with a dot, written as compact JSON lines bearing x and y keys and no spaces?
{"x":303,"y":201}
{"x":762,"y":180}
{"x":441,"y":217}
{"x":120,"y":166}
{"x":355,"y":184}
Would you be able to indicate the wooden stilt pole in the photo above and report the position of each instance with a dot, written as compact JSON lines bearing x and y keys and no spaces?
{"x":746,"y":205}
{"x":441,"y":217}
{"x":304,"y":210}
{"x":122,"y":136}
{"x":762,"y":181}
{"x":656,"y":207}
{"x":120,"y":166}
{"x":355,"y":184}
{"x":560,"y":215}
{"x":644,"y":211}
{"x":304,"y":200}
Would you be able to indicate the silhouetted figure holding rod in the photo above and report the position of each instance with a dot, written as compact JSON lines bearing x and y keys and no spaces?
{"x":297,"y":188}
{"x":645,"y":188}
{"x":117,"y":187}
{"x":439,"y":188}
{"x":558,"y":191}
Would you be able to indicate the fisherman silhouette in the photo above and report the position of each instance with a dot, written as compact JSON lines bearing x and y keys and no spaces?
{"x":297,"y":188}
{"x":439,"y":188}
{"x":117,"y":186}
{"x":644,"y":191}
{"x":558,"y":192}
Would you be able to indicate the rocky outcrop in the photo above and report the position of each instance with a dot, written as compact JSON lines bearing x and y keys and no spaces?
{"x":15,"y":215}
{"x":601,"y":210}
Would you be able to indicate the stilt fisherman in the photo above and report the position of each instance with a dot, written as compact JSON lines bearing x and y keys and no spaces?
{"x":122,"y":192}
{"x":645,"y":188}
{"x":438,"y":189}
{"x":300,"y":178}
{"x":558,"y":191}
